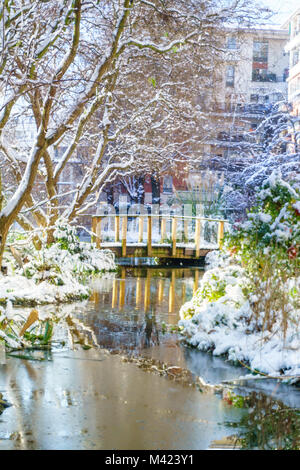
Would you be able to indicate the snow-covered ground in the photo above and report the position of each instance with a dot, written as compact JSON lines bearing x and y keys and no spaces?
{"x":20,"y":290}
{"x":219,"y":319}
{"x":53,"y":274}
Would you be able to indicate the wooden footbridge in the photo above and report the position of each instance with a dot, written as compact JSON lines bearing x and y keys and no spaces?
{"x":184,"y":239}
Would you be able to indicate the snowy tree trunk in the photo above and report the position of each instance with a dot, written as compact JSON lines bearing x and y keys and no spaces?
{"x":4,"y":227}
{"x":3,"y":230}
{"x":1,"y":193}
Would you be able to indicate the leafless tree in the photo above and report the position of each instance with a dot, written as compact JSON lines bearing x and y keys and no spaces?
{"x":108,"y":77}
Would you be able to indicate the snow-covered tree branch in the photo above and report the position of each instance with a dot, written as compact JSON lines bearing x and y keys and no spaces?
{"x":112,"y":84}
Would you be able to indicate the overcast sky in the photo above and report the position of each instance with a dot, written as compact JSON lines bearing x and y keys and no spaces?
{"x":283,"y":9}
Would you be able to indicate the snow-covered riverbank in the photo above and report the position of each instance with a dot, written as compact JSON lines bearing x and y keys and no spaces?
{"x":220,"y":319}
{"x":54,"y":274}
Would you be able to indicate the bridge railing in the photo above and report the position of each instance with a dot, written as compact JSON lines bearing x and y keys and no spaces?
{"x":188,"y":224}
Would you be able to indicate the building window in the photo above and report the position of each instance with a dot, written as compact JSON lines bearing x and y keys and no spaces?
{"x":168,"y":184}
{"x":231,"y":43}
{"x":230,"y":71}
{"x":254,"y":98}
{"x":260,"y":62}
{"x":295,"y":58}
{"x":260,"y":51}
{"x":253,"y":126}
{"x":262,"y":75}
{"x":298,"y":25}
{"x":277,"y":97}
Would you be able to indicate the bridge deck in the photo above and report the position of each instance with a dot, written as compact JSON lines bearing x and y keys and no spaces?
{"x":159,"y":250}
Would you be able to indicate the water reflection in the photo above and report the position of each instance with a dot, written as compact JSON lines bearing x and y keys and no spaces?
{"x":90,"y":399}
{"x":129,"y":312}
{"x":145,"y":288}
{"x":129,"y":315}
{"x":149,"y":332}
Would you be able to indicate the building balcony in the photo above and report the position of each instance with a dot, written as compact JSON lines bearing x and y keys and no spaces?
{"x":295,"y":96}
{"x":269,"y":77}
{"x":258,"y":108}
{"x":225,"y":140}
{"x":252,"y":110}
{"x":293,"y":43}
{"x":235,"y":138}
{"x":294,"y":71}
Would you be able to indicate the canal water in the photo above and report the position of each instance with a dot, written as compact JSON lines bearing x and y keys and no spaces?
{"x":141,"y":389}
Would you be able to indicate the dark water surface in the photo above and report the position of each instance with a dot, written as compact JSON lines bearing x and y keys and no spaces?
{"x":96,"y":400}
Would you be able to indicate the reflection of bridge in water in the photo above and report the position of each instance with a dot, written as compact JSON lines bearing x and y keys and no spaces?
{"x":129,"y":312}
{"x":149,"y":291}
{"x":157,"y":236}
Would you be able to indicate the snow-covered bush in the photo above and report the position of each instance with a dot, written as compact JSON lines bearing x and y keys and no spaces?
{"x":66,"y":256}
{"x":217,"y":258}
{"x":267,"y":245}
{"x":272,"y":229}
{"x":250,"y":310}
{"x":65,"y":236}
{"x":220,"y":286}
{"x":54,"y":273}
{"x":221,"y":319}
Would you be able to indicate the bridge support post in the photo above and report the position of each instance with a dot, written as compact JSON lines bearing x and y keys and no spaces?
{"x":149,"y":236}
{"x":186,"y":230}
{"x":141,"y":227}
{"x":124,"y":235}
{"x":174,"y":233}
{"x":117,"y":228}
{"x":197,"y":237}
{"x":163,"y":229}
{"x":94,"y":225}
{"x":220,"y":232}
{"x":96,"y":229}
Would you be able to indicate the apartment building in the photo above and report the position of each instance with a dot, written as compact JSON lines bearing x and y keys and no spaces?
{"x":293,"y":49}
{"x":250,"y":80}
{"x":253,"y":77}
